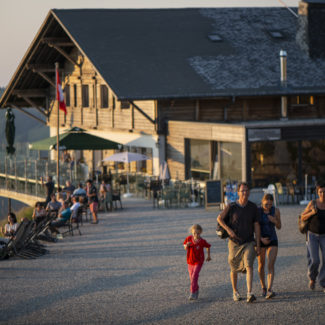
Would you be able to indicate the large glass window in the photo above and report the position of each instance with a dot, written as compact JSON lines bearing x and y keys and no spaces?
{"x":200,"y":159}
{"x":313,"y":158}
{"x":230,"y":161}
{"x":213,"y":160}
{"x":273,"y":161}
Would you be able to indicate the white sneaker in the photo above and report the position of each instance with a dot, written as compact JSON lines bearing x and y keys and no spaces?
{"x":59,"y":236}
{"x":236,"y":296}
{"x":250,"y":297}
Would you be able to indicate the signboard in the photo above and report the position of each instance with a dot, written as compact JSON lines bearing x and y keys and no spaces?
{"x":213,"y":193}
{"x":264,"y":134}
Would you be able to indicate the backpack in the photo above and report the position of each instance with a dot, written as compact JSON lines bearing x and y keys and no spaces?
{"x":220,"y":231}
{"x":303,"y":224}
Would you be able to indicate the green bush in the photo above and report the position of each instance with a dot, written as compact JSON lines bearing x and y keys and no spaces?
{"x":25,"y":212}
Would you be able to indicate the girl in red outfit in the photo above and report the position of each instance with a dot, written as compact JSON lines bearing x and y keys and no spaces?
{"x":195,"y":257}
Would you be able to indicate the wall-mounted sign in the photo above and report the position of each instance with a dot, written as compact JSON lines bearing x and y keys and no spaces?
{"x":264,"y":135}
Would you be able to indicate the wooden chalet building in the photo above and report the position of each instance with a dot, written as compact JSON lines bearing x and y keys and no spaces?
{"x":199,"y":88}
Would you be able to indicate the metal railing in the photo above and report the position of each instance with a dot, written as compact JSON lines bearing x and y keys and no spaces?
{"x":25,"y":176}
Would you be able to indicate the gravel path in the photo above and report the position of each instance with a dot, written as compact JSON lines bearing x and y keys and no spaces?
{"x":131,"y":269}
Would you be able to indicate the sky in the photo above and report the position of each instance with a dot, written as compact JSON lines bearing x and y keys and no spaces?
{"x":21,"y":19}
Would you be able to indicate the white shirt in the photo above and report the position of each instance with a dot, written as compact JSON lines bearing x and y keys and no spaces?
{"x":74,"y":209}
{"x":9,"y":227}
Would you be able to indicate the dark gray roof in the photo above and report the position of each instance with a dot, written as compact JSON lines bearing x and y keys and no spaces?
{"x":166,"y":53}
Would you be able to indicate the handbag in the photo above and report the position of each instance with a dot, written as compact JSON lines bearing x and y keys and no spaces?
{"x":220,"y":231}
{"x":304,"y":224}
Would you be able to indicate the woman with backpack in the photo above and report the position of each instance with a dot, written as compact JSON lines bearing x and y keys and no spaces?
{"x":315,"y":213}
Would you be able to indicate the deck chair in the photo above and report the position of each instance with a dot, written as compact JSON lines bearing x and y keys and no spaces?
{"x":41,"y":231}
{"x":21,"y":244}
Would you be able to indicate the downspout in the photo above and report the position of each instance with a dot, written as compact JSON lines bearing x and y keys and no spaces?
{"x":284,"y":99}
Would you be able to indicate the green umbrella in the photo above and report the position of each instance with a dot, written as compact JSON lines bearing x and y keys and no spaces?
{"x":75,"y":139}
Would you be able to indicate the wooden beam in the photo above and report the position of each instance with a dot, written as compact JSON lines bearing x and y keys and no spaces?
{"x":112,"y":117}
{"x":44,"y":76}
{"x":27,"y":113}
{"x":30,"y":92}
{"x":43,"y":67}
{"x":30,"y":102}
{"x":59,"y":41}
{"x":143,"y":113}
{"x":156,"y":114}
{"x":62,"y":52}
{"x":132,"y":117}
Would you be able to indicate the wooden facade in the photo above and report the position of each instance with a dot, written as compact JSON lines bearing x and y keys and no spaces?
{"x":228,"y":121}
{"x":94,"y":116}
{"x":89,"y":112}
{"x":162,"y":115}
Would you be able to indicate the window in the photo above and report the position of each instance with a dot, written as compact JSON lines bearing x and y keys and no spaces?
{"x":125,"y":104}
{"x":94,"y":95}
{"x":103,"y":96}
{"x":276,"y":34}
{"x":75,"y":95}
{"x":67,"y":95}
{"x":85,"y":96}
{"x":215,"y":38}
{"x":302,"y":100}
{"x":230,"y":161}
{"x":200,"y":159}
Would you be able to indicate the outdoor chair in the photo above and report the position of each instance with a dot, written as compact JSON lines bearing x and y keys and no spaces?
{"x":84,"y":212}
{"x":290,"y":192}
{"x":155,"y":188}
{"x":184,"y":196}
{"x":169,"y":196}
{"x":73,"y":222}
{"x":299,"y":193}
{"x":22,"y":245}
{"x":116,"y":197}
{"x":141,"y":189}
{"x":42,"y":228}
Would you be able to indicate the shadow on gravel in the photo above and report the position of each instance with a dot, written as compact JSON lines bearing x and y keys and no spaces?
{"x":101,"y":284}
{"x":296,"y":296}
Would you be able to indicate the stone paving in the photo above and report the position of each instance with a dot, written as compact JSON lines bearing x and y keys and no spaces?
{"x":131,"y":269}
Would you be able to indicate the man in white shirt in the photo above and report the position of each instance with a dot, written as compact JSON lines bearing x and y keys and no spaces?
{"x":75,"y":206}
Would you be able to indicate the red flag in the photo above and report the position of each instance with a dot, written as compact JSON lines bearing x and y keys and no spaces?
{"x":59,"y":93}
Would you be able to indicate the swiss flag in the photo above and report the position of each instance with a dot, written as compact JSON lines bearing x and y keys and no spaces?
{"x":59,"y":93}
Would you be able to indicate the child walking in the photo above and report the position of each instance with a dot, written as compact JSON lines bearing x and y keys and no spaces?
{"x":194,"y":245}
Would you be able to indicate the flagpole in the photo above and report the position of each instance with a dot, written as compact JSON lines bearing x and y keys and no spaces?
{"x":57,"y":129}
